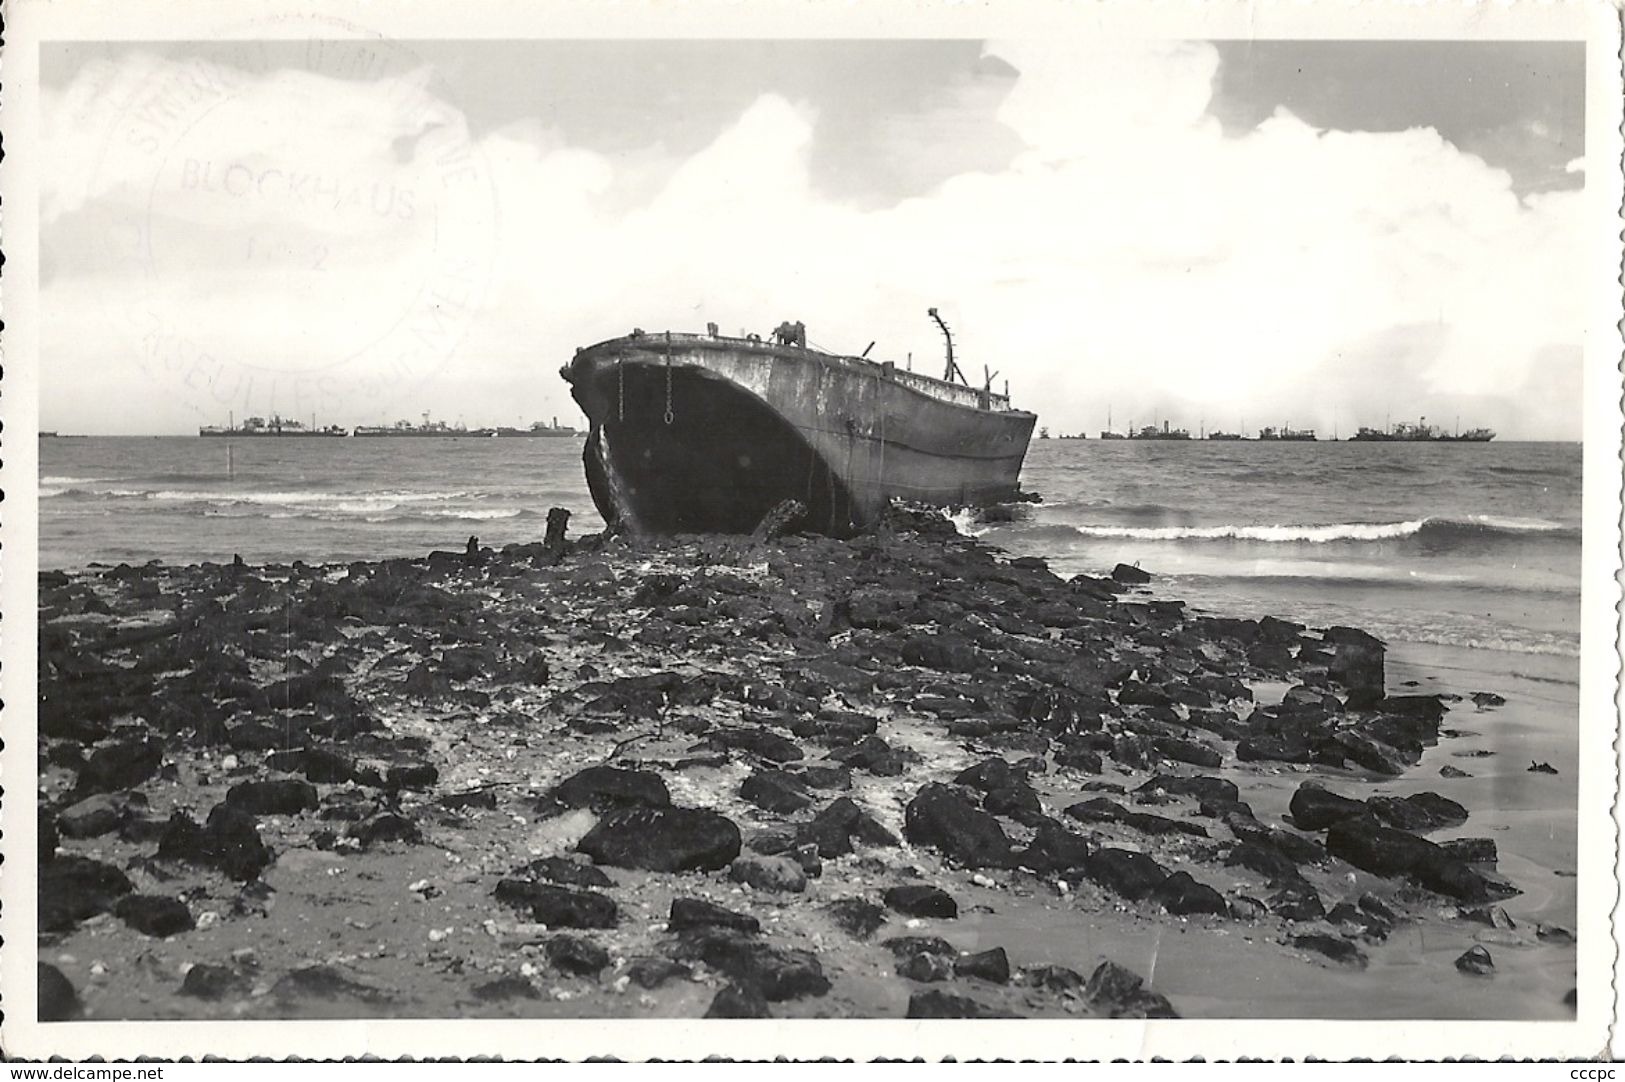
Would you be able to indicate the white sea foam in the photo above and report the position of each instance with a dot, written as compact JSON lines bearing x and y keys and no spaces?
{"x":1341,"y":531}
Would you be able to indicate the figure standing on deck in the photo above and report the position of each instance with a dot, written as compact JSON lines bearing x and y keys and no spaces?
{"x":791,"y":334}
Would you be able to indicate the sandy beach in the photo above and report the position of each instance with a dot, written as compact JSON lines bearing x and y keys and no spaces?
{"x":910,"y":777}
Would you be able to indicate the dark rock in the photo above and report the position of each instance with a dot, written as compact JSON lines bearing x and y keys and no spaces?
{"x":1540,"y":768}
{"x":48,"y":836}
{"x":75,"y":888}
{"x":1188,"y":751}
{"x":1058,"y":979}
{"x":834,"y":829}
{"x":934,"y":1003}
{"x":738,"y":1001}
{"x":1357,"y":661}
{"x":922,"y":900}
{"x":1266,"y":860}
{"x":1297,"y":900}
{"x":227,"y":841}
{"x":1553,"y":933}
{"x":1202,"y":788}
{"x":857,"y":918}
{"x":1016,"y":802}
{"x":872,"y":754}
{"x":1492,"y":915}
{"x":779,"y":874}
{"x":558,"y":907}
{"x":940,"y":817}
{"x":775,"y":791}
{"x":603,"y":788}
{"x":1126,"y":873}
{"x":214,"y":982}
{"x":573,"y":873}
{"x":1420,"y":811}
{"x":1316,"y":808}
{"x":989,"y":965}
{"x":101,"y":813}
{"x":1121,"y":993}
{"x":325,"y":982}
{"x":1448,"y":771}
{"x":123,"y":764}
{"x":57,"y":1001}
{"x":778,"y":973}
{"x":654,"y":972}
{"x":414,"y":775}
{"x":504,"y":988}
{"x":1054,"y":850}
{"x":273,"y":796}
{"x":765,"y":745}
{"x":1130,"y":576}
{"x":990,"y":774}
{"x":926,"y":967}
{"x":689,"y":913}
{"x":386,"y":827}
{"x":1476,"y":962}
{"x":904,"y":946}
{"x":1180,"y":895}
{"x":574,"y":955}
{"x":1102,"y":810}
{"x":663,"y":840}
{"x":1337,"y":949}
{"x":1079,"y":758}
{"x":1486,"y":699}
{"x":1389,"y":852}
{"x":155,"y":915}
{"x":944,"y":652}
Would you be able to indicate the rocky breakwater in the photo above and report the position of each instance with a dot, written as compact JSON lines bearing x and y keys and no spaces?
{"x":704,"y":776}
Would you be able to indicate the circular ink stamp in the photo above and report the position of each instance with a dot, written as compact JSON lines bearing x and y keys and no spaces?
{"x":304,"y":228}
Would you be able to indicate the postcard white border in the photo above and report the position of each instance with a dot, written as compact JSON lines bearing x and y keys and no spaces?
{"x":1596,"y":22}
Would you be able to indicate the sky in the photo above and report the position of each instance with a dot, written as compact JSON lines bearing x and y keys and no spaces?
{"x":1220,"y":234}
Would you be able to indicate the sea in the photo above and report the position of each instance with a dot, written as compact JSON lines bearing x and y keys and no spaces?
{"x":1471,"y":545}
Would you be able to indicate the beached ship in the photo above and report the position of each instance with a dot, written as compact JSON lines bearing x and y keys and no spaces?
{"x":406,"y":429}
{"x":275,"y":426}
{"x":1289,"y":434}
{"x":1420,"y":432}
{"x":539,"y":429}
{"x":1225,"y":436}
{"x":701,"y":432}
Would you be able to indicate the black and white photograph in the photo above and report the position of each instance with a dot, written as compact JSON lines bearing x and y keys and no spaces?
{"x":1049,"y":515}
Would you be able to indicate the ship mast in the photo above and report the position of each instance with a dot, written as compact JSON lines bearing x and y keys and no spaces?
{"x":952,"y":370}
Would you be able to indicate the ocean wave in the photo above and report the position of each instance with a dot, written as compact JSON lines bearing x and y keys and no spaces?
{"x":1475,"y":526}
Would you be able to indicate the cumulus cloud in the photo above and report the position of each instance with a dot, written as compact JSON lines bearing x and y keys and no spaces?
{"x":1132,"y":255}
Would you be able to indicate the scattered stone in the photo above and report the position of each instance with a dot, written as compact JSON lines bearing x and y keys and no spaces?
{"x":651,"y":973}
{"x":1448,"y":771}
{"x":92,"y":817}
{"x":1129,"y":874}
{"x":228,"y":841}
{"x":505,"y":988}
{"x":777,"y":972}
{"x":1130,"y":576}
{"x":1476,"y":962}
{"x":921,"y":900}
{"x":775,"y":791}
{"x":603,"y":788}
{"x":689,"y":913}
{"x":940,"y":817}
{"x":325,"y":982}
{"x":74,"y":888}
{"x":1051,"y":978}
{"x":989,"y":965}
{"x":57,"y":999}
{"x":154,"y":915}
{"x":123,"y":764}
{"x":1484,"y":700}
{"x":926,"y":967}
{"x":663,"y":840}
{"x":577,"y":956}
{"x":558,"y":907}
{"x":1540,"y":768}
{"x":738,"y":1001}
{"x":1337,"y":949}
{"x":904,"y":946}
{"x":1181,"y":895}
{"x":934,"y":1003}
{"x":273,"y":796}
{"x":1118,"y":992}
{"x":1554,"y":933}
{"x":1316,"y":808}
{"x":860,"y":919}
{"x":769,"y":873}
{"x":571,"y":873}
{"x":214,"y":982}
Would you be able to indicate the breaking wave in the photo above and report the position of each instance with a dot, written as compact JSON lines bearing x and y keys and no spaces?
{"x":1438,"y":529}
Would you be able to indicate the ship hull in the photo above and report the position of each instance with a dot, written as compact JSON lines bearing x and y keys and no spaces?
{"x":747,"y":425}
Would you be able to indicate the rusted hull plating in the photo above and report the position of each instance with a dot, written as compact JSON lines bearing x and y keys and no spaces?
{"x":710,"y":434}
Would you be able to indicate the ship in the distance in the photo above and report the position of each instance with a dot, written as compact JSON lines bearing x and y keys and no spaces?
{"x":406,"y":429}
{"x":1289,"y":434}
{"x":703,"y":432}
{"x":1152,"y":432}
{"x":540,"y":428}
{"x":1420,"y":432}
{"x":275,"y":426}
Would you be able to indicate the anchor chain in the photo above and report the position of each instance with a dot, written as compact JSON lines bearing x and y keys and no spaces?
{"x":670,"y":416}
